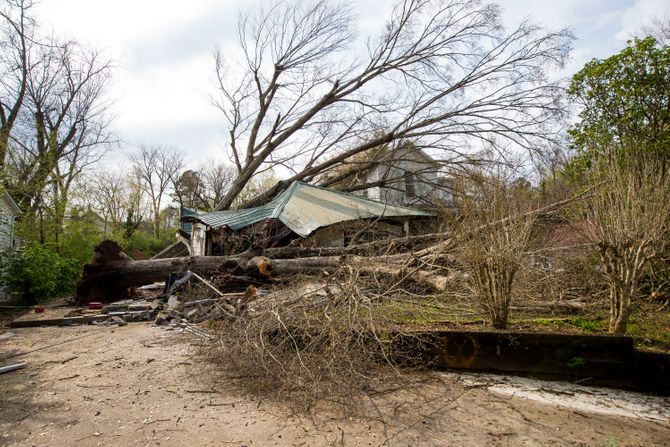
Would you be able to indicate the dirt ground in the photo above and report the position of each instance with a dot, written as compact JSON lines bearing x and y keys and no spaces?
{"x":143,"y":385}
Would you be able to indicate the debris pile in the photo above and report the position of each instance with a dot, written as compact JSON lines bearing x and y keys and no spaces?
{"x":116,"y":313}
{"x":199,"y":310}
{"x":110,"y":275}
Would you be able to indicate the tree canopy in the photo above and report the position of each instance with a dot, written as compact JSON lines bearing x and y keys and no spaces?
{"x":625,"y":101}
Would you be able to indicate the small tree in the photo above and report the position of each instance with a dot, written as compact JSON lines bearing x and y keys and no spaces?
{"x":156,"y":168}
{"x":628,"y":221}
{"x":494,"y":233}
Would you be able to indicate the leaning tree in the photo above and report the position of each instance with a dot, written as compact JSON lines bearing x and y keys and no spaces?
{"x":307,"y":93}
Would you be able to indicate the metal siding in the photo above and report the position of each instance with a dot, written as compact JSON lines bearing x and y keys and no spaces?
{"x":303,"y":208}
{"x":186,"y":227}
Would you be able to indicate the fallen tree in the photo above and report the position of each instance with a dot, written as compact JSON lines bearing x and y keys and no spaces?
{"x":387,"y":246}
{"x":109,"y":276}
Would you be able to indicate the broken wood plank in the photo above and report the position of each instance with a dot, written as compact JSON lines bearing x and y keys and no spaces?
{"x":208,"y":284}
{"x":64,"y":321}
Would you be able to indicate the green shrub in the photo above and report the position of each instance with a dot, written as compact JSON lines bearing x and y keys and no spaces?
{"x":37,"y":274}
{"x":142,"y":246}
{"x":78,"y":239}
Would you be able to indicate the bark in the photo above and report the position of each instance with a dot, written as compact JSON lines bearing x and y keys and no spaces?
{"x":397,"y":245}
{"x":619,"y":310}
{"x":109,"y":276}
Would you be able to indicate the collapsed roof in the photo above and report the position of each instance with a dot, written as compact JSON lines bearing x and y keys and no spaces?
{"x":304,"y":208}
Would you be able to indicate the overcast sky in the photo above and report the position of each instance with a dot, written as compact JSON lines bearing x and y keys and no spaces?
{"x":162,"y":51}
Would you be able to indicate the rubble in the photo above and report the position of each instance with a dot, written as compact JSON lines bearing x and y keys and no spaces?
{"x":170,"y":307}
{"x":119,"y":313}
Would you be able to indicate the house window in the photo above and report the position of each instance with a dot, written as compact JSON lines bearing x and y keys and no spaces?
{"x":409,"y":184}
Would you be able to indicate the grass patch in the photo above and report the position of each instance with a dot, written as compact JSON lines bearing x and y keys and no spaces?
{"x":651,"y":331}
{"x":426,"y":312}
{"x":586,"y":324}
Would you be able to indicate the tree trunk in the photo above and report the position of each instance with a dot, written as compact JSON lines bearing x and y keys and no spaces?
{"x":619,"y":310}
{"x":157,"y":222}
{"x":109,"y":276}
{"x":387,"y":246}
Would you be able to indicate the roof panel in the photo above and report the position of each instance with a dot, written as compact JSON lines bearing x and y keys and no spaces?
{"x":304,"y":208}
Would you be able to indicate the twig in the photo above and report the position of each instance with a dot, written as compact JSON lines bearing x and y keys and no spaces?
{"x":222,"y":404}
{"x":211,"y":391}
{"x":440,"y":408}
{"x":69,"y":377}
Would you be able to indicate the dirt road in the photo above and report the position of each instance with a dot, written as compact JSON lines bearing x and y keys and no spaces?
{"x":141,"y":385}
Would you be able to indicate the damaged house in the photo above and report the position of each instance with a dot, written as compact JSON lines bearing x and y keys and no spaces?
{"x":404,"y":175}
{"x":408,"y":176}
{"x":303,"y":215}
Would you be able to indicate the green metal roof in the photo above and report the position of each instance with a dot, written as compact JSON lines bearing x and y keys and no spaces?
{"x":304,"y":208}
{"x":187,"y":212}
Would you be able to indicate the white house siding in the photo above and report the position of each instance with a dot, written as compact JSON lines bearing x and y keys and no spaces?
{"x":6,"y":226}
{"x":199,"y":239}
{"x":7,"y":216}
{"x":423,"y":172}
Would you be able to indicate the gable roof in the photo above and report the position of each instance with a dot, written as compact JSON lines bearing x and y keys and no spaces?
{"x":304,"y":208}
{"x":395,"y":155}
{"x":11,"y":204}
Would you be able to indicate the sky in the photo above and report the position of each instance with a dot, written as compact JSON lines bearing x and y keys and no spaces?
{"x":163,"y":75}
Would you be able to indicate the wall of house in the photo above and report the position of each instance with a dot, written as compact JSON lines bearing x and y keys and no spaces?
{"x":330,"y":236}
{"x":6,"y":226}
{"x":395,"y":192}
{"x":343,"y":234}
{"x":6,"y":239}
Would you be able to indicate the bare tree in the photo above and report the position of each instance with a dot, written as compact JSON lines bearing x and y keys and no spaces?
{"x":156,"y":168}
{"x":443,"y":73}
{"x":628,"y":220}
{"x":659,"y":29}
{"x":495,"y":228}
{"x":62,"y":127}
{"x":136,"y":206}
{"x":216,"y":179}
{"x":15,"y":58}
{"x":109,"y":193}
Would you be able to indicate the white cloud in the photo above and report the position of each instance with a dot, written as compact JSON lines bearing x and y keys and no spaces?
{"x":639,"y":14}
{"x":162,"y":50}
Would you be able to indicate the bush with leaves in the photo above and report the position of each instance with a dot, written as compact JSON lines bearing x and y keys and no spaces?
{"x":140,"y":245}
{"x":37,"y":274}
{"x":79,"y":238}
